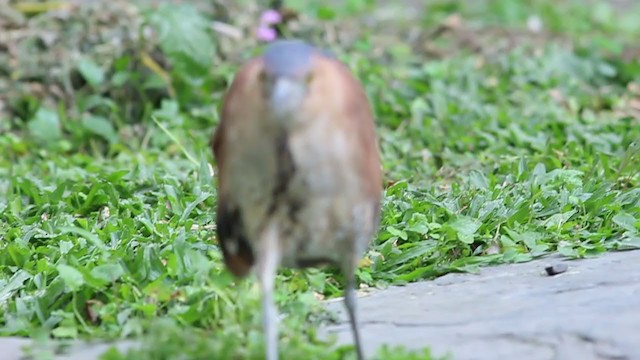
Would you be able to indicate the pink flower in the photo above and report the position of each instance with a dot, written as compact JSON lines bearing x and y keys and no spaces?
{"x":270,"y":17}
{"x":266,"y":33}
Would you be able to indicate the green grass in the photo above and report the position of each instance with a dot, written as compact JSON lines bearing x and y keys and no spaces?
{"x":106,"y":221}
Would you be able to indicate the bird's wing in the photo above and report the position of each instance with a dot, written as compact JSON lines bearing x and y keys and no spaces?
{"x":237,"y":252}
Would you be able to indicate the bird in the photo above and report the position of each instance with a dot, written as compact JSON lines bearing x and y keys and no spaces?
{"x":299,"y":172}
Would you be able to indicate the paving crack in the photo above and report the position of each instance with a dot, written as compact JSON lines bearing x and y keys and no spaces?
{"x":413,"y":324}
{"x":404,"y":324}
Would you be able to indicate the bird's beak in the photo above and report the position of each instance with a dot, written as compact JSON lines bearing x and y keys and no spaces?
{"x":287,"y":94}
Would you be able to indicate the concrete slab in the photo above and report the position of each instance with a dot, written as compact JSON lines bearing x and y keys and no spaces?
{"x":516,"y":311}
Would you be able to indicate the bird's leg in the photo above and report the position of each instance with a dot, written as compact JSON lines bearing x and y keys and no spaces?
{"x":267,"y":267}
{"x":350,"y":304}
{"x":269,"y":318}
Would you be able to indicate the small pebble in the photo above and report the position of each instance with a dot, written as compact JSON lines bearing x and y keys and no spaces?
{"x":556,"y":269}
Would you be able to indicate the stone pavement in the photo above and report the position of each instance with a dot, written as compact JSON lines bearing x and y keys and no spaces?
{"x":11,"y":348}
{"x":591,"y":311}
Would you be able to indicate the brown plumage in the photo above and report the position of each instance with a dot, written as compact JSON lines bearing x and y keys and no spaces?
{"x":299,"y":176}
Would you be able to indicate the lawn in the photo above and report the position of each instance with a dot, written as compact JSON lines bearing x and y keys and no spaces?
{"x":508,"y":129}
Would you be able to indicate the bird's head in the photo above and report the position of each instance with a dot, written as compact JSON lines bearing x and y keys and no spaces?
{"x":286,"y":77}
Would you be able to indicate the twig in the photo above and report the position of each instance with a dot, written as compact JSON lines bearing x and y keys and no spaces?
{"x":29,"y":7}
{"x":176,"y":141}
{"x":158,"y":70}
